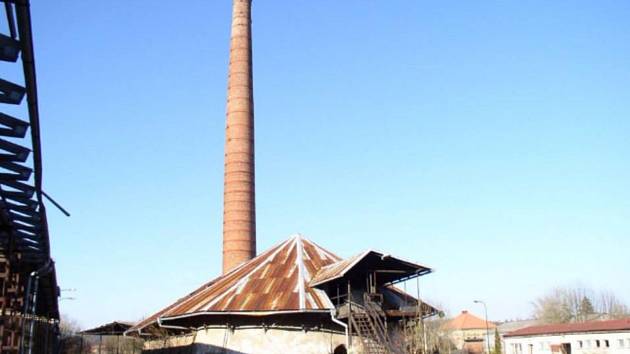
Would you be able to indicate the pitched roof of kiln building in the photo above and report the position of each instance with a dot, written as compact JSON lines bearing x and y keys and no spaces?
{"x":466,"y":320}
{"x":281,"y":280}
{"x":563,"y":328}
{"x":275,"y":281}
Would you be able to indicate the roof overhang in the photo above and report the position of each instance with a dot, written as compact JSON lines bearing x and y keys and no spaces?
{"x":110,"y":329}
{"x":242,"y":313}
{"x":176,"y":322}
{"x":388,"y":269}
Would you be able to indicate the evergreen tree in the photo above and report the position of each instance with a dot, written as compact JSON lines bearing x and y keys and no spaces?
{"x":586,"y":309}
{"x":497,"y":342}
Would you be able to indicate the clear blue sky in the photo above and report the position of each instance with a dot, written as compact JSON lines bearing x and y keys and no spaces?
{"x":488,"y":140}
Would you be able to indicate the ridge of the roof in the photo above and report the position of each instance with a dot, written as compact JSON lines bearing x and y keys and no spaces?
{"x":466,"y":320}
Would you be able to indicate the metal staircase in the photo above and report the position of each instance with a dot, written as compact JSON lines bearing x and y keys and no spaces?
{"x":370,"y":324}
{"x":366,"y":331}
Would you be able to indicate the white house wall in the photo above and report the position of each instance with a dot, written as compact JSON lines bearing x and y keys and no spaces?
{"x":581,"y":343}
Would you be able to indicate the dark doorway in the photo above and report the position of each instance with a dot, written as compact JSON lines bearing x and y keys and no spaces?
{"x":341,"y":349}
{"x":566,"y":348}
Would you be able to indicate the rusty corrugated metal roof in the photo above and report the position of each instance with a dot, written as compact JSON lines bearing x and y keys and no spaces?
{"x":336,"y":270}
{"x":275,"y":281}
{"x":339,"y":269}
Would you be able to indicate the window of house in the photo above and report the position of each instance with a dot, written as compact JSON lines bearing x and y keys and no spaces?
{"x":588,"y":343}
{"x":514,"y":348}
{"x":620,"y":343}
{"x":580,"y":344}
{"x":597,"y":343}
{"x":606,"y":343}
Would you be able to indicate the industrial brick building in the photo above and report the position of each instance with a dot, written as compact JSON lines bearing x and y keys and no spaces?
{"x":295,"y":297}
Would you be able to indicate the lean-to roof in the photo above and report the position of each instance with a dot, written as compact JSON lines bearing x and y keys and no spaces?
{"x":113,"y":328}
{"x":400,"y":269}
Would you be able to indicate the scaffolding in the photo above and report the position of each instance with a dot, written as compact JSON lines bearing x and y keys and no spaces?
{"x":28,"y":287}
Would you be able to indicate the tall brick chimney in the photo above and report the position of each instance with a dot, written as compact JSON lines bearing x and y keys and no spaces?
{"x":239,"y":212}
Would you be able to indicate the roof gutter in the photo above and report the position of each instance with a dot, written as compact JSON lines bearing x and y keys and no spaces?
{"x":160,"y":324}
{"x":241,"y":313}
{"x":345,"y":326}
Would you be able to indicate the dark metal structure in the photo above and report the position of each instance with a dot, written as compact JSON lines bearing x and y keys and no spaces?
{"x":376,"y":312}
{"x":113,"y":330}
{"x":28,"y":287}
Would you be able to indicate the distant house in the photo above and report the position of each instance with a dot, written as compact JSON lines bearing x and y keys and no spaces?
{"x":510,"y":326}
{"x":594,"y":337}
{"x":513,"y":325}
{"x":468,"y":332}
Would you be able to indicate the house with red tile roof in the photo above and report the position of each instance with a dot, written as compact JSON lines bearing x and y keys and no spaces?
{"x":468,"y":332}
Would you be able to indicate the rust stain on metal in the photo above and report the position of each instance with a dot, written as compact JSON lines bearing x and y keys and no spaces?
{"x":337,"y":270}
{"x":269,"y":282}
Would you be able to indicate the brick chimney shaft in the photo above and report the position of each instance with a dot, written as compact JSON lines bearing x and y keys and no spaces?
{"x":239,"y":212}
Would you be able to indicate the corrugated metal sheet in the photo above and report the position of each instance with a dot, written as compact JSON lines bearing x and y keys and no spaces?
{"x":339,"y":269}
{"x":275,"y":281}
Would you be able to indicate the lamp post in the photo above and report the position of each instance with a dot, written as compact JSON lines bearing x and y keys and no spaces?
{"x":487,"y":329}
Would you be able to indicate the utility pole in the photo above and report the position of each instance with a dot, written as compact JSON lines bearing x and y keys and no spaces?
{"x":487,"y":328}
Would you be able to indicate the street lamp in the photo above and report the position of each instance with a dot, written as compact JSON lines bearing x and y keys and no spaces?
{"x":487,"y":329}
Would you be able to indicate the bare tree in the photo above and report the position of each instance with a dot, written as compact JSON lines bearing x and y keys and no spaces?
{"x":577,"y":304}
{"x":68,"y":327}
{"x":553,"y":307}
{"x":70,"y":342}
{"x":611,"y":305}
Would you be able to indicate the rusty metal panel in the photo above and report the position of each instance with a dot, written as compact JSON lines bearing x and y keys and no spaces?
{"x":395,"y":269}
{"x":276,"y":280}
